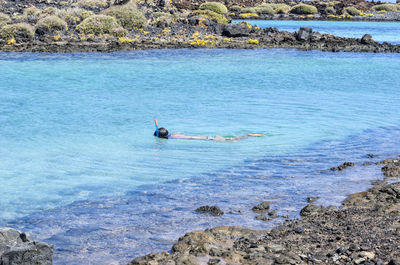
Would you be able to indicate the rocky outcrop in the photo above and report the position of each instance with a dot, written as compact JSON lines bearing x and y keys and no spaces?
{"x":366,"y":230}
{"x":17,"y":248}
{"x":213,"y":210}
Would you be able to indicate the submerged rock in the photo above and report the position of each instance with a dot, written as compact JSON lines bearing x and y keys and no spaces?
{"x":343,"y":166}
{"x":213,"y":210}
{"x":262,"y":207}
{"x":17,"y":248}
{"x":364,"y":231}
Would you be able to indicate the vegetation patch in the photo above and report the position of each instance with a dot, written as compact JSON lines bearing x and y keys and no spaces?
{"x":93,"y":4}
{"x":248,"y":15}
{"x":265,"y":9}
{"x":211,"y":15}
{"x":248,"y":10}
{"x":128,"y":16}
{"x":303,"y":9}
{"x":352,"y":11}
{"x":386,"y":7}
{"x":215,"y":7}
{"x":4,"y":19}
{"x":32,"y":11}
{"x":19,"y":30}
{"x":162,"y":18}
{"x":101,"y":24}
{"x":281,"y":8}
{"x":51,"y":23}
{"x":74,"y":16}
{"x":236,"y":8}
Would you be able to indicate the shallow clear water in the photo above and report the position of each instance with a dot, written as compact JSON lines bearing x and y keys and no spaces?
{"x":380,"y":31}
{"x":81,"y":169}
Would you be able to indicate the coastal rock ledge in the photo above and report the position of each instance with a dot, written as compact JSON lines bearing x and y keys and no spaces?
{"x":365,"y":230}
{"x":18,"y":248}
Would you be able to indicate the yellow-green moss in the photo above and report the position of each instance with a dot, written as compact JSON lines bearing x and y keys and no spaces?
{"x":215,"y":7}
{"x":8,"y":32}
{"x":4,"y":19}
{"x":211,"y":15}
{"x":265,"y":9}
{"x":51,"y":23}
{"x":74,"y":15}
{"x":303,"y":9}
{"x":93,"y":4}
{"x":128,"y":16}
{"x":386,"y":7}
{"x":352,"y":11}
{"x":101,"y":24}
{"x":248,"y":10}
{"x":281,"y":8}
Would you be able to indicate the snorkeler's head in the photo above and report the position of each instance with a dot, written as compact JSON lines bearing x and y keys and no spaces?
{"x":162,"y":133}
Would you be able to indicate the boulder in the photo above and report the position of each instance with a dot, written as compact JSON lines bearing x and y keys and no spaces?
{"x":304,"y":34}
{"x":213,"y":210}
{"x":236,"y":30}
{"x":17,"y":248}
{"x":262,"y":207}
{"x":367,"y":39}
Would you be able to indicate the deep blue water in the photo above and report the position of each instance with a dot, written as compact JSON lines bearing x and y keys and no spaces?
{"x":380,"y":31}
{"x":81,"y":169}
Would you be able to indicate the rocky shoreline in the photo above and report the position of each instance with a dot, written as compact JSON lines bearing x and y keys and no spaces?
{"x":18,"y":248}
{"x":232,"y":36}
{"x":102,"y":26}
{"x":365,"y":230}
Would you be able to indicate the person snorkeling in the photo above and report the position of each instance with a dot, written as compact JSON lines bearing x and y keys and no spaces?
{"x":163,"y":133}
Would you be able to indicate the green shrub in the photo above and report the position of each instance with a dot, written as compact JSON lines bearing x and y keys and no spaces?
{"x":14,"y":30}
{"x":352,"y":11}
{"x":215,"y":7}
{"x":32,"y":11}
{"x":128,"y":16}
{"x":330,"y":10}
{"x":101,"y":24}
{"x":265,"y":9}
{"x":49,"y":11}
{"x":281,"y":8}
{"x":211,"y":16}
{"x":93,"y":4}
{"x":248,"y":10}
{"x":386,"y":7}
{"x":4,"y":19}
{"x":236,"y":8}
{"x":51,"y":23}
{"x":163,"y":18}
{"x":303,"y":9}
{"x":74,"y":15}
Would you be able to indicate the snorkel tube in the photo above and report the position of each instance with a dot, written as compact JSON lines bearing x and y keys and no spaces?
{"x":155,"y":122}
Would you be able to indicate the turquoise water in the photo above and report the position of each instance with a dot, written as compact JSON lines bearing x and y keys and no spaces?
{"x":380,"y":31}
{"x":80,"y":168}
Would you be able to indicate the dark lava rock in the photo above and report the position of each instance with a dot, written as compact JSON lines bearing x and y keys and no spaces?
{"x":367,"y":39}
{"x":17,"y":248}
{"x":263,"y":218}
{"x":356,"y":233}
{"x":392,"y":170}
{"x":304,"y":34}
{"x":343,"y":166}
{"x":311,"y":209}
{"x":272,"y":214}
{"x":236,"y":30}
{"x":371,"y":155}
{"x":262,"y":207}
{"x":213,"y":210}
